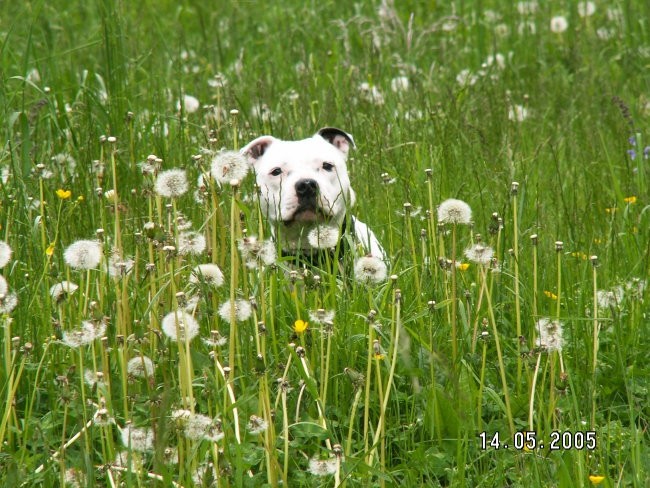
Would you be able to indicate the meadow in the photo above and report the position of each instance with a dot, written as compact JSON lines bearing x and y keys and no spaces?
{"x":154,"y":335}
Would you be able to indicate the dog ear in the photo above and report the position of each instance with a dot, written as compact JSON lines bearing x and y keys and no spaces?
{"x":341,"y":139}
{"x":257,"y":147}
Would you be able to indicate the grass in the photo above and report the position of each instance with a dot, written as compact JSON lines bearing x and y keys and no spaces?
{"x":396,"y":387}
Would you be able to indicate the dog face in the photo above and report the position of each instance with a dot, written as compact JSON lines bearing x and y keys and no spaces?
{"x":303,"y":183}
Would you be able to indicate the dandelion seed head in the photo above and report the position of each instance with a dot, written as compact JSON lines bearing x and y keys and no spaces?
{"x":322,"y":467}
{"x":255,"y":252}
{"x":139,"y":439}
{"x":559,"y":24}
{"x":172,"y":183}
{"x":192,"y":243}
{"x":210,"y":274}
{"x":550,"y":334}
{"x":180,"y":326}
{"x":4,"y":286}
{"x":517,"y":113}
{"x":93,"y":378}
{"x":83,"y":254}
{"x":85,"y":334}
{"x":399,"y":84}
{"x":256,"y":425}
{"x":370,"y":269}
{"x":586,"y":9}
{"x":608,"y":299}
{"x":480,"y":254}
{"x":118,"y":267}
{"x":140,"y":367}
{"x":229,"y":165}
{"x":242,"y":310}
{"x":453,"y":211}
{"x":323,"y":237}
{"x":189,"y":103}
{"x":321,"y":316}
{"x":5,"y":254}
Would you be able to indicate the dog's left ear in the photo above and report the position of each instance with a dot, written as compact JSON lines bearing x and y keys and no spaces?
{"x":341,"y":139}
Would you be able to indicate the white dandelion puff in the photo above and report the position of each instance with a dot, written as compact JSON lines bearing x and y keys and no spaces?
{"x":83,"y":254}
{"x":607,"y":299}
{"x":321,"y":316}
{"x":229,"y":165}
{"x":480,"y":254}
{"x":4,"y":286}
{"x":118,"y":267}
{"x":586,"y":9}
{"x":5,"y":254}
{"x":172,"y":183}
{"x":190,"y":104}
{"x":201,"y":427}
{"x":550,"y":334}
{"x":180,"y":326}
{"x":94,"y":378}
{"x":85,"y":334}
{"x":255,"y":252}
{"x":399,"y":84}
{"x":370,"y":269}
{"x":559,"y":24}
{"x":517,"y":113}
{"x":215,"y":339}
{"x":322,"y":467}
{"x":8,"y":303}
{"x":241,"y":309}
{"x":323,"y":237}
{"x":191,"y":243}
{"x":371,"y":94}
{"x":256,"y":425}
{"x":453,"y":211}
{"x":138,"y":439}
{"x":140,"y":367}
{"x":210,"y":274}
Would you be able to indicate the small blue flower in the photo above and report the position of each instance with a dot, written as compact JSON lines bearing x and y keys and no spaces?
{"x":632,"y":154}
{"x":646,"y":152}
{"x":632,"y":141}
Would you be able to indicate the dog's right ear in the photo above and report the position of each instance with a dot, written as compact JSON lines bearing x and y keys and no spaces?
{"x":256,"y":148}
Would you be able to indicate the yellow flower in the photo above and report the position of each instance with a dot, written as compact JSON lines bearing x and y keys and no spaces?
{"x":610,"y":210}
{"x":631,"y":199}
{"x":596,"y":480}
{"x":50,"y":249}
{"x":80,"y":198}
{"x":63,"y":194}
{"x":300,"y":326}
{"x":463,"y":266}
{"x":550,"y":294}
{"x":580,"y":255}
{"x":379,"y":357}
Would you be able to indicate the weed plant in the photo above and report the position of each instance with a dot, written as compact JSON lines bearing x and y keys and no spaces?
{"x":154,"y":335}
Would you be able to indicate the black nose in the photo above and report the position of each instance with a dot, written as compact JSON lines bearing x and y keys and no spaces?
{"x":306,"y":187}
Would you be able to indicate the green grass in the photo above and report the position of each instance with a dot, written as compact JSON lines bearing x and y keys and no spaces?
{"x":405,"y":410}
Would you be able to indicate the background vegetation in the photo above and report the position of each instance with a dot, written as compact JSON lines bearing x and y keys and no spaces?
{"x":482,"y":93}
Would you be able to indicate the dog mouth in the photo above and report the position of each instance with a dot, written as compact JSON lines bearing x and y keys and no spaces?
{"x":305,"y":214}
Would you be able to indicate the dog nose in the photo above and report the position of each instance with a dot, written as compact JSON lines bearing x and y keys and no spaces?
{"x":306,"y":187}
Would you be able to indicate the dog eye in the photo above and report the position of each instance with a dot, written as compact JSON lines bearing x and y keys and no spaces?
{"x":276,"y":172}
{"x":328,"y":166}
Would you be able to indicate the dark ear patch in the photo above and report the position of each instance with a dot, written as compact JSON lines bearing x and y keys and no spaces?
{"x":255,"y":149}
{"x":337,"y":137}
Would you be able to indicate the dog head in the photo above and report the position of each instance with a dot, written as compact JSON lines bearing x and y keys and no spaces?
{"x":303,"y":183}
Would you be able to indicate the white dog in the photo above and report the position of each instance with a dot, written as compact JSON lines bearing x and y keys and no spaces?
{"x":304,"y":184}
